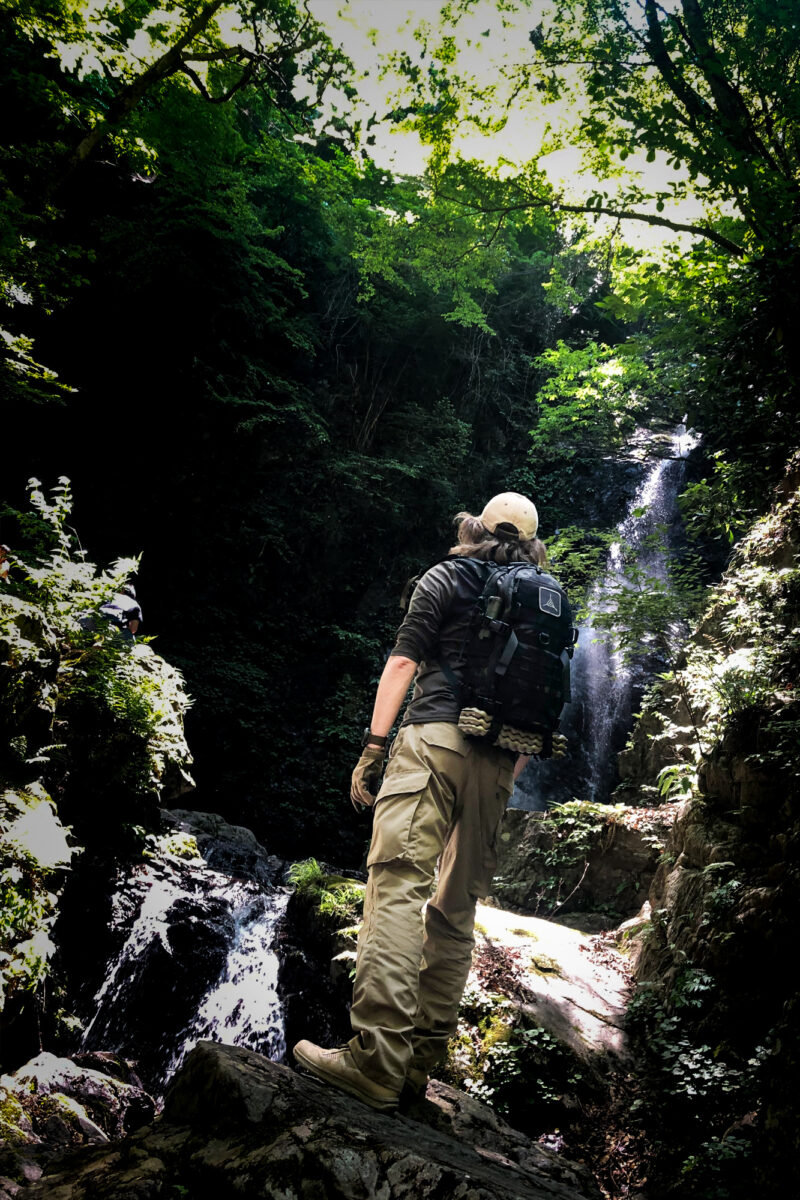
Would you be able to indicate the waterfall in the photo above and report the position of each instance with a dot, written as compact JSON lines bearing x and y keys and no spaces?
{"x":604,"y":688}
{"x":196,"y":961}
{"x":243,"y":1008}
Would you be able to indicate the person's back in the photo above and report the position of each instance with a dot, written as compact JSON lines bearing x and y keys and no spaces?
{"x":440,"y":804}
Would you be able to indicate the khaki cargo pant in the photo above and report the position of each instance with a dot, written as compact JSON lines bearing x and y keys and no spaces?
{"x":442,"y":800}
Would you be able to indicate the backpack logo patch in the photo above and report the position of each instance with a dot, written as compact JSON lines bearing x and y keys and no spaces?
{"x":550,"y":602}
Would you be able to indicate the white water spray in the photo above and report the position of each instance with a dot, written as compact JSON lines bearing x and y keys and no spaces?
{"x":239,"y":1007}
{"x":243,"y":1008}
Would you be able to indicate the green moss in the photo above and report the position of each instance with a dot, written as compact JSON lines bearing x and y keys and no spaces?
{"x":462,"y":1061}
{"x":349,"y":932}
{"x":174,"y":845}
{"x":494,"y":1028}
{"x":543,"y":964}
{"x":12,"y":1114}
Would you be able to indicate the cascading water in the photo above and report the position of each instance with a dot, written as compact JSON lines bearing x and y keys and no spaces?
{"x":197,"y":962}
{"x":243,"y":1008}
{"x":604,"y":688}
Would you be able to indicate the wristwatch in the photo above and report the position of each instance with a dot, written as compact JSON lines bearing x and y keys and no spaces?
{"x":368,"y":736}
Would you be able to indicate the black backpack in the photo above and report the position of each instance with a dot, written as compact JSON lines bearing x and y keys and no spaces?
{"x":514,"y":662}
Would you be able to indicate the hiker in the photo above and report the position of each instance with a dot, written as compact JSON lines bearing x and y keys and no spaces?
{"x":123,"y":610}
{"x":441,"y":801}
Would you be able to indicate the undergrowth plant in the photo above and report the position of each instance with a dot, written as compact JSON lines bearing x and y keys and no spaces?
{"x":337,"y":898}
{"x":116,"y":709}
{"x":28,"y":904}
{"x":516,"y":1067}
{"x":90,"y":725}
{"x":572,"y":833}
{"x":51,"y":568}
{"x":697,"y":1096}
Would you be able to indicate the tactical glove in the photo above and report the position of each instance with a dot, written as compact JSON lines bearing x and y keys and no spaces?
{"x":367,"y":777}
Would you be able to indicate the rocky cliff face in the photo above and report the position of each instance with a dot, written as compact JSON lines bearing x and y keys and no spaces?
{"x":590,"y":865}
{"x":723,"y":890}
{"x":716,"y":753}
{"x":91,"y":741}
{"x":718,"y":952}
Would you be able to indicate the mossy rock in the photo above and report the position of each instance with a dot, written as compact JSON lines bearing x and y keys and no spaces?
{"x":16,"y":1128}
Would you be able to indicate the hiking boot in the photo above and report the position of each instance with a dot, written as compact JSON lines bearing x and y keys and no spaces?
{"x":417,"y":1082}
{"x":338,"y":1068}
{"x":414,"y":1091}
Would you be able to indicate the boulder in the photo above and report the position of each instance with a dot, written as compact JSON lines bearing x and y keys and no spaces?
{"x":551,"y":867}
{"x":53,"y":1105}
{"x":229,"y":849}
{"x":235,"y":1124}
{"x":572,"y":985}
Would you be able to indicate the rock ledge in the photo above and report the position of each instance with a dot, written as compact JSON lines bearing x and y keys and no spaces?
{"x":236,"y":1124}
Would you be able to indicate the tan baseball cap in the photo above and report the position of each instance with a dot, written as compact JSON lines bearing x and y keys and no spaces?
{"x":511,"y":515}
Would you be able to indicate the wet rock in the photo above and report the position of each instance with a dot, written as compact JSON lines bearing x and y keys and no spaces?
{"x":173,"y":934}
{"x":230,"y":849}
{"x":172,"y":946}
{"x":237,"y":1124}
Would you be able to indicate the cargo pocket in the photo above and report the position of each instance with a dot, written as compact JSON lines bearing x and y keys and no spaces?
{"x":445,"y":736}
{"x":505,"y":780}
{"x":395,"y":808}
{"x":505,"y":786}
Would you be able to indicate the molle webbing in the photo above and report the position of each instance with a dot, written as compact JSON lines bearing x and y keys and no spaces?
{"x":511,"y":678}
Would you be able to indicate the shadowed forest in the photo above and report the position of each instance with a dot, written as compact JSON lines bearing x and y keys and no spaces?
{"x":253,"y":368}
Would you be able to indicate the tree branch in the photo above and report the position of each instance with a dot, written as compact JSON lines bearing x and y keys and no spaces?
{"x":242,"y":81}
{"x":625,"y":214}
{"x":129,"y":97}
{"x":692,"y":101}
{"x":218,"y":55}
{"x":620,"y":214}
{"x":738,"y":123}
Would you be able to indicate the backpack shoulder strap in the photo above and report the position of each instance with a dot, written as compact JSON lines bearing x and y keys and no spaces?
{"x":468,"y":563}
